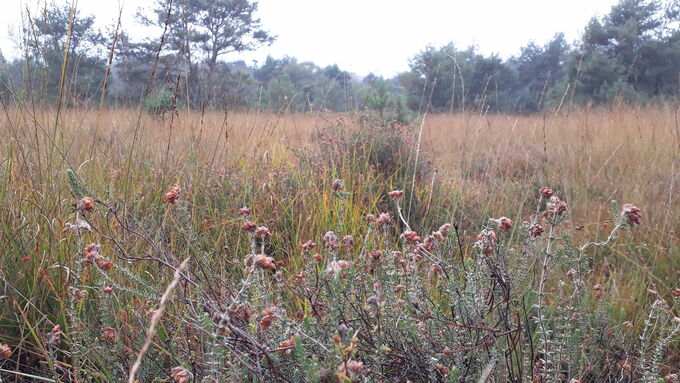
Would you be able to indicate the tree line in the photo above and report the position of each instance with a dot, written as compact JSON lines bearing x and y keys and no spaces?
{"x":632,"y":54}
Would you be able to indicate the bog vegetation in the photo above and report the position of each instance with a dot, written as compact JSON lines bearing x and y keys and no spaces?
{"x":168,"y":218}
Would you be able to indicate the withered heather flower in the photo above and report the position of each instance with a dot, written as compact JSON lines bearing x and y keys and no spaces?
{"x":5,"y":351}
{"x":632,"y":214}
{"x":547,"y":192}
{"x":262,"y":232}
{"x":396,"y":195}
{"x":502,"y":223}
{"x":330,"y":239}
{"x":172,"y":195}
{"x":180,"y":374}
{"x":85,"y":204}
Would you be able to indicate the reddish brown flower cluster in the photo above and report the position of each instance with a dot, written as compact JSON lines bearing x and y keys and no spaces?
{"x":502,"y":223}
{"x":91,"y":252}
{"x":330,"y":239}
{"x":268,"y":317}
{"x":598,"y":291}
{"x":336,"y":185}
{"x":536,"y":230}
{"x":264,"y":262}
{"x":5,"y":351}
{"x":286,"y":346}
{"x":676,"y":292}
{"x":172,"y":195}
{"x":384,"y":219}
{"x":249,"y":226}
{"x":547,"y":192}
{"x":245,"y":211}
{"x":85,"y":204}
{"x":486,"y":241}
{"x":109,"y":335}
{"x":444,"y":229}
{"x":91,"y":255}
{"x":555,"y":206}
{"x":632,"y":214}
{"x":410,"y":237}
{"x":396,"y":194}
{"x":308,"y":246}
{"x":262,"y":232}
{"x":180,"y":375}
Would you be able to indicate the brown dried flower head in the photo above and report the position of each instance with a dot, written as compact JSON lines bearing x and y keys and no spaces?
{"x":396,"y":195}
{"x":268,"y":316}
{"x":5,"y":351}
{"x":85,"y":204}
{"x":264,"y":262}
{"x":502,"y":223}
{"x":336,"y":185}
{"x":547,"y":192}
{"x":245,"y":211}
{"x":249,"y":226}
{"x":384,"y":219}
{"x":262,"y":232}
{"x":180,"y":374}
{"x":172,"y":195}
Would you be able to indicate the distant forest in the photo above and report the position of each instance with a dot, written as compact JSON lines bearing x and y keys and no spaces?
{"x":632,"y":54}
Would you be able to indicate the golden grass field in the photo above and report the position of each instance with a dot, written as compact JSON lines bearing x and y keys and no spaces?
{"x":475,"y":167}
{"x":488,"y":165}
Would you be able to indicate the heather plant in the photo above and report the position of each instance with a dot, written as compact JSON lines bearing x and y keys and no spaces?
{"x":387,"y":302}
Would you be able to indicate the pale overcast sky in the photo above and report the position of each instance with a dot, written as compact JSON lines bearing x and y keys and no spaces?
{"x":366,"y":36}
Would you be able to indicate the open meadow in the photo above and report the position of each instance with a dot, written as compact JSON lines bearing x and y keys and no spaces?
{"x":296,"y":247}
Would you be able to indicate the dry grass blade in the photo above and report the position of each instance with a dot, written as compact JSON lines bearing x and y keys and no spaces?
{"x":156,"y":318}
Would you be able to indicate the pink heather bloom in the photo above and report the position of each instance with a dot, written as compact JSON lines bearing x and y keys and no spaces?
{"x":632,"y":214}
{"x":245,"y":211}
{"x":331,"y":239}
{"x":556,"y":206}
{"x":336,"y":266}
{"x":535,"y":231}
{"x":309,"y":245}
